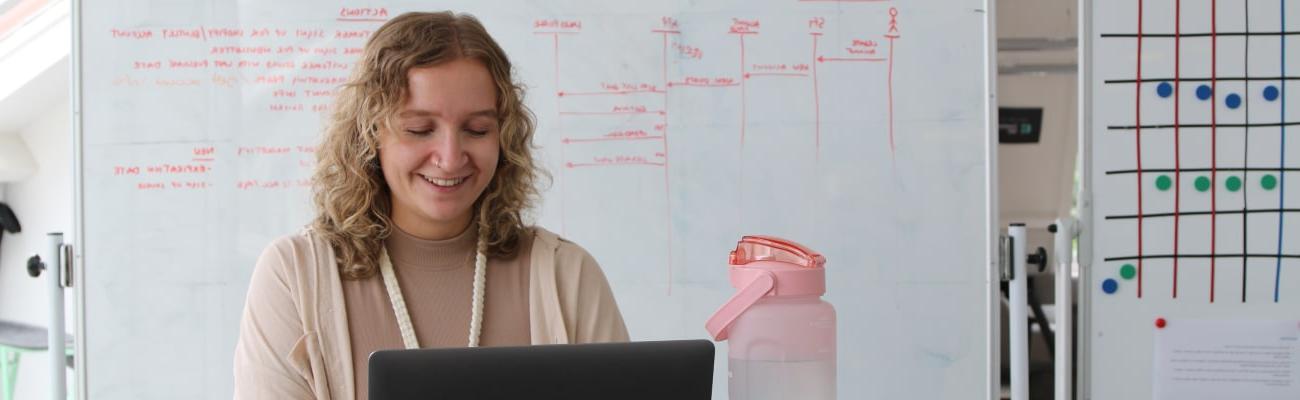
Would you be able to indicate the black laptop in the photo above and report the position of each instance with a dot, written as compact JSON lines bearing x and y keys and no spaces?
{"x":641,"y":370}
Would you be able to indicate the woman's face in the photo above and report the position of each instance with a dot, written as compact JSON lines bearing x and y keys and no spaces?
{"x":443,"y":150}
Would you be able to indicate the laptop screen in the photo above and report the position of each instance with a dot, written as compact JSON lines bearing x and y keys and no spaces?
{"x":640,"y":370}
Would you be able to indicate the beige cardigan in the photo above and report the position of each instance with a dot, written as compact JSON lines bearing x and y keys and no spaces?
{"x":293,"y":339}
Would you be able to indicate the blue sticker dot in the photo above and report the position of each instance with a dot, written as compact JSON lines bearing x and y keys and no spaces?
{"x":1203,"y":92}
{"x":1164,"y":89}
{"x":1109,"y":286}
{"x":1270,"y":93}
{"x":1233,"y":101}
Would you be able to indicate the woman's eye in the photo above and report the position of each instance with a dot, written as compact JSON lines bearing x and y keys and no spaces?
{"x":419,"y":132}
{"x":477,"y":132}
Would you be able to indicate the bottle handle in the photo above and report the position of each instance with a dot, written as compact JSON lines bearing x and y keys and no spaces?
{"x":718,"y":325}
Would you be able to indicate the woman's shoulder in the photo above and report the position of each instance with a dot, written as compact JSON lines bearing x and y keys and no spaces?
{"x":563,"y":248}
{"x":566,"y":259}
{"x":294,"y":245}
{"x":295,"y":254}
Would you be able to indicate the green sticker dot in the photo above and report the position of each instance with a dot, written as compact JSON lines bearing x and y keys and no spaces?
{"x":1268,"y":182}
{"x":1233,"y":184}
{"x":1127,"y":271}
{"x":1202,"y":183}
{"x":1163,"y":182}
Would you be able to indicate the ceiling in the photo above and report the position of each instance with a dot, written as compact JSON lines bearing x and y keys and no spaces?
{"x":35,"y":37}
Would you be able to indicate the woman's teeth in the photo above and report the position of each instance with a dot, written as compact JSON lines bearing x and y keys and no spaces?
{"x":445,"y":182}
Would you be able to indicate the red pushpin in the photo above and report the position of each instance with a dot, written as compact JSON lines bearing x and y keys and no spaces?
{"x":1160,"y":323}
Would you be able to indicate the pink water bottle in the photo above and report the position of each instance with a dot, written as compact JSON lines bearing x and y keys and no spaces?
{"x":781,"y":333}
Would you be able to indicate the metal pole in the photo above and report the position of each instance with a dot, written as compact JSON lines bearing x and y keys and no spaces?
{"x":1018,"y":320}
{"x":1065,"y":232}
{"x":54,"y":281}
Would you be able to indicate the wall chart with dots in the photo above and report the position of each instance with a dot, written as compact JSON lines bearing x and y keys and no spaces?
{"x":1190,"y":152}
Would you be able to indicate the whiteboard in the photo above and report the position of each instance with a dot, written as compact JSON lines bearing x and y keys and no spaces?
{"x":1212,"y":192}
{"x":671,"y":129}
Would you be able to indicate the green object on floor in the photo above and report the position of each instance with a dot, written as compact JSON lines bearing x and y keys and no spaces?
{"x":16,"y":339}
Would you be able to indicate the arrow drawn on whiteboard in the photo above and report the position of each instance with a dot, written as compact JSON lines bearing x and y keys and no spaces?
{"x":834,"y":59}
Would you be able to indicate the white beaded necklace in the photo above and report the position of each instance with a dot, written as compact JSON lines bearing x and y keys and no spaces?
{"x":404,"y":317}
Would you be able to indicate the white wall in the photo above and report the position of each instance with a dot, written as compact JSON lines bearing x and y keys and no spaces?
{"x":43,"y":204}
{"x":1037,"y":178}
{"x":1052,"y":19}
{"x":1036,"y":181}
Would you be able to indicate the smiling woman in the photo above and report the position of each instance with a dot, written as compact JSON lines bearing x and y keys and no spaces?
{"x":422,"y":178}
{"x":445,"y":149}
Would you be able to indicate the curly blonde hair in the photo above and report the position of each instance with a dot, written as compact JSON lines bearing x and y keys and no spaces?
{"x":352,"y":199}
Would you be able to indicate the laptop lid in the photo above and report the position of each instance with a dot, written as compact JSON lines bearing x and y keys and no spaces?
{"x":641,"y":370}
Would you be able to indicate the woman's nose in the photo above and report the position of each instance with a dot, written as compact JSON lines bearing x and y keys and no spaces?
{"x":448,"y":153}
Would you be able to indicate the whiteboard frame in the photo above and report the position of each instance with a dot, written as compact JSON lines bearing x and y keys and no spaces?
{"x":1083,"y":390}
{"x":991,"y":239}
{"x":993,"y":275}
{"x":80,"y":378}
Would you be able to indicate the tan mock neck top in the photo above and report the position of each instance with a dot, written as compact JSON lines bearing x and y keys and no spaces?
{"x":436,"y":278}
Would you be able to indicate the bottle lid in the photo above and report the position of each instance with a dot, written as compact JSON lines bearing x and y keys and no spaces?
{"x":768,"y":248}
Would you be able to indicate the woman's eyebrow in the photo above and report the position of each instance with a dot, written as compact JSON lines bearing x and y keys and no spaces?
{"x":417,"y":113}
{"x":489,"y":112}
